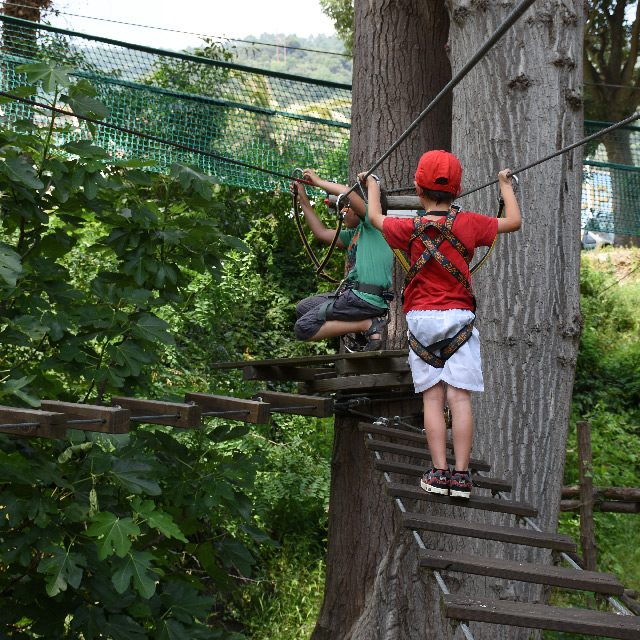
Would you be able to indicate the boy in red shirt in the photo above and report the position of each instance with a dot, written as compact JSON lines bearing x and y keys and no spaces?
{"x":440,"y":305}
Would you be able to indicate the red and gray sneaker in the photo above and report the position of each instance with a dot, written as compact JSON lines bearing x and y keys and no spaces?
{"x":436,"y":481}
{"x":460,"y":484}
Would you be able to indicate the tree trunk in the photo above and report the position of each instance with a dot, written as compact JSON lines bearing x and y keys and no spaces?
{"x":373,"y":588}
{"x":521,"y":103}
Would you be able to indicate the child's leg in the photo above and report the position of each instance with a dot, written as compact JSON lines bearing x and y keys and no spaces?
{"x":459,"y":401}
{"x":333,"y":328}
{"x":434,"y":424}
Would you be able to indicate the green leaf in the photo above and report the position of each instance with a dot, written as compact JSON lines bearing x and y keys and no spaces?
{"x":157,"y":519}
{"x":61,"y":568}
{"x":186,"y":603}
{"x":86,"y":150}
{"x":10,"y":265}
{"x":135,"y":476}
{"x":20,"y":170}
{"x":48,"y":74}
{"x":153,"y":329}
{"x":136,"y":567}
{"x":82,"y":101}
{"x":113,"y":534}
{"x":234,"y":553}
{"x":21,"y":92}
{"x":173,"y":630}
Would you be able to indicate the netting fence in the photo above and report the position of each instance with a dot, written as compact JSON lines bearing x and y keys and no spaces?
{"x":275,"y":121}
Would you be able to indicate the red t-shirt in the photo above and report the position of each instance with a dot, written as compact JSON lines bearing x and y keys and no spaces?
{"x":433,"y":287}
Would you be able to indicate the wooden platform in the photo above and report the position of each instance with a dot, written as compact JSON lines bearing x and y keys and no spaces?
{"x":538,"y":616}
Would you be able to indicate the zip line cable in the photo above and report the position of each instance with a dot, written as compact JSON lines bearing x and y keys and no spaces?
{"x":593,"y":136}
{"x":188,"y":33}
{"x":498,"y":33}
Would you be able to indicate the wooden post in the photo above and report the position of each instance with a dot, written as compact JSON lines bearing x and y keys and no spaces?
{"x":587,"y":534}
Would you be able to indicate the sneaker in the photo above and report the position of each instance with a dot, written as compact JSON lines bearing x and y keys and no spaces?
{"x":377,"y":327}
{"x":436,"y":481}
{"x":460,"y":484}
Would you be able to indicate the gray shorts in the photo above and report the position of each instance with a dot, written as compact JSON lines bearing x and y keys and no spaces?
{"x":347,"y":307}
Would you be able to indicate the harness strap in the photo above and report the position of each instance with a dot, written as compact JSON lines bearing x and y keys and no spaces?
{"x":446,"y":347}
{"x":432,"y":249}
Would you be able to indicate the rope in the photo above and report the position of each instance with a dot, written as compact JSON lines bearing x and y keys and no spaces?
{"x":593,"y":136}
{"x":188,"y":33}
{"x":499,"y":32}
{"x":147,"y":136}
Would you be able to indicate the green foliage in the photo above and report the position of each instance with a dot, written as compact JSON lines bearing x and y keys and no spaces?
{"x":341,"y":12}
{"x":139,"y":536}
{"x":94,"y":253}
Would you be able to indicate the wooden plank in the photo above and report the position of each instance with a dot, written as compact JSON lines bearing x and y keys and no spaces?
{"x":310,"y":360}
{"x":416,"y":471}
{"x":474,"y":502}
{"x":296,"y":403}
{"x":108,"y":419}
{"x":624,"y":494}
{"x":539,"y":616}
{"x":514,"y":535}
{"x":378,"y":365}
{"x":397,"y":434}
{"x":371,"y":381}
{"x":281,"y":372}
{"x":50,"y":424}
{"x":585,"y":468}
{"x":610,"y":506}
{"x":523,"y":571}
{"x":419,"y":452}
{"x":174,"y":414}
{"x":250,"y":411}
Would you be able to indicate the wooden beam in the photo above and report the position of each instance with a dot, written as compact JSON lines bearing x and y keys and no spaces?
{"x":281,"y":372}
{"x":306,"y":361}
{"x":371,"y":381}
{"x":416,"y":471}
{"x":550,"y":575}
{"x":514,"y":535}
{"x":398,"y":490}
{"x":36,"y":424}
{"x":604,"y":506}
{"x":625,"y":494}
{"x":299,"y":404}
{"x":398,"y":434}
{"x":540,"y":616}
{"x":102,"y":419}
{"x":390,"y":364}
{"x":240,"y":409}
{"x":585,"y":468}
{"x":174,"y":414}
{"x":419,"y":452}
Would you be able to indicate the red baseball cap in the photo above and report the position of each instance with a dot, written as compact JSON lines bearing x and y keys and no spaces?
{"x":439,"y":171}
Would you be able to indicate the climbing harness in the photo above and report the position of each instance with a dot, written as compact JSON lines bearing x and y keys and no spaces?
{"x":439,"y":352}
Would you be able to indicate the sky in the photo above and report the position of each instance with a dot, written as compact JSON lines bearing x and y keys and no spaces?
{"x":230,"y":18}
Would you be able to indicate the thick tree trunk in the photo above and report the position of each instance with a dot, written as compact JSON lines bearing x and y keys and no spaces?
{"x":373,"y":589}
{"x":520,"y":103}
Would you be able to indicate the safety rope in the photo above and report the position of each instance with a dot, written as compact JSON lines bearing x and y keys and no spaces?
{"x":498,"y":33}
{"x":555,"y":154}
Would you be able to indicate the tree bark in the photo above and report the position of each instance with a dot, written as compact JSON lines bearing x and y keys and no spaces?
{"x":373,"y":589}
{"x":518,"y":104}
{"x":521,"y":102}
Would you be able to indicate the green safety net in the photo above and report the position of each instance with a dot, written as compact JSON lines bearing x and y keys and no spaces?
{"x":274,"y":121}
{"x":611,"y":181}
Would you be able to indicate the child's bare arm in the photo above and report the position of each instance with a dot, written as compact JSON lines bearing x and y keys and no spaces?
{"x":335,"y":189}
{"x":512,"y":220}
{"x":375,"y":208}
{"x":320,"y":232}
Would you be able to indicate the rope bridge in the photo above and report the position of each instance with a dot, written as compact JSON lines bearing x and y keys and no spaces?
{"x":250,"y":127}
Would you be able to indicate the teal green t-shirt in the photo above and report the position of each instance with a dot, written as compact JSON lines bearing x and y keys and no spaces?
{"x":369,"y":259}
